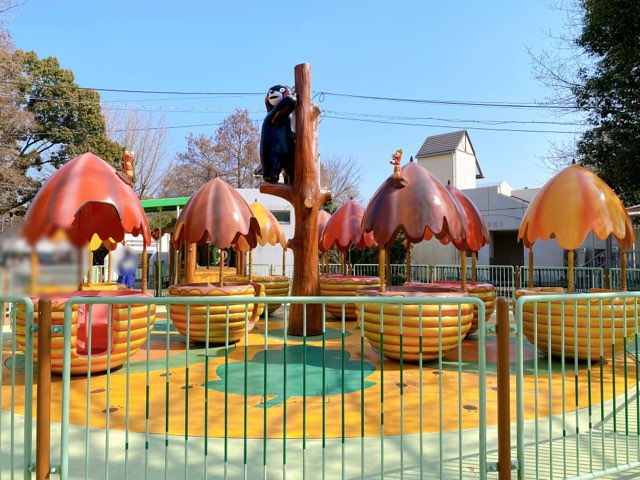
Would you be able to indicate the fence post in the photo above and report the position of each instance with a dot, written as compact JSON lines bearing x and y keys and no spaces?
{"x":43,"y":408}
{"x":504,"y":391}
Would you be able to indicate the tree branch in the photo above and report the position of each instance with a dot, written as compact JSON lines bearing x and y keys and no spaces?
{"x":324,"y":196}
{"x":282,"y":190}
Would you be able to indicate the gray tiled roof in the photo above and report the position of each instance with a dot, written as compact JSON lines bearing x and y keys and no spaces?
{"x":439,"y":144}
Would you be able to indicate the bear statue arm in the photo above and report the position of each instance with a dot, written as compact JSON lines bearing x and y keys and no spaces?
{"x":283,"y":109}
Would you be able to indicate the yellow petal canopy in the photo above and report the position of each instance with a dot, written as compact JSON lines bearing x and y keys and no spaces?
{"x":95,"y":243}
{"x":571,"y":204}
{"x":270,"y":231}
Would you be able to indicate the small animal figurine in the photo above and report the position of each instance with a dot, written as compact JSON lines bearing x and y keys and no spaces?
{"x":277,"y":141}
{"x":396,"y":179}
{"x":127,"y":170}
{"x":127,"y":158}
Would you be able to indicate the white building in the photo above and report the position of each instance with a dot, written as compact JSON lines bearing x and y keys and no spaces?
{"x":451,"y":157}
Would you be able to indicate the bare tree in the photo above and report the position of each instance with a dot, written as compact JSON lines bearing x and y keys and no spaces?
{"x":237,"y":143}
{"x":194,"y":167}
{"x":341,"y":175}
{"x":148,"y":139}
{"x":559,"y":71}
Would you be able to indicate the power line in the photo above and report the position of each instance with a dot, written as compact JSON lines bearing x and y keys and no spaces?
{"x":522,"y":130}
{"x":150,"y":92}
{"x":440,"y":119}
{"x":469,"y":103}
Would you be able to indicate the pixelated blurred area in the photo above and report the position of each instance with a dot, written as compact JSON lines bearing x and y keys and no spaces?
{"x":54,"y":265}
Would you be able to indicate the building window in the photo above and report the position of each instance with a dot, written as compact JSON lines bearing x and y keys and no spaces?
{"x":283,"y":216}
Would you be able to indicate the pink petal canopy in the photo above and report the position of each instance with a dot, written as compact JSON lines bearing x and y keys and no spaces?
{"x":422,"y":209}
{"x":476,"y":231}
{"x":216,"y":214}
{"x":323,"y":218}
{"x":571,"y":204}
{"x":344,"y":228}
{"x":86,"y":197}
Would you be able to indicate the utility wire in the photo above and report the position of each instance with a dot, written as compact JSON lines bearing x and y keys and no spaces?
{"x":465,"y":103}
{"x":523,"y":130}
{"x":469,"y":103}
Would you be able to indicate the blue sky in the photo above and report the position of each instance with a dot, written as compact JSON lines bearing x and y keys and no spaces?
{"x":464,"y":50}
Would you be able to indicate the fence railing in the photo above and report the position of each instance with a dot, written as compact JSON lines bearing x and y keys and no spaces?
{"x":265,"y":404}
{"x":585,"y":278}
{"x":578,"y":412}
{"x":16,"y":387}
{"x":358,"y":400}
{"x":501,"y":276}
{"x":633,"y":279}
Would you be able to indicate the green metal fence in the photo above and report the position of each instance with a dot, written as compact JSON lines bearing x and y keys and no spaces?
{"x":585,"y":278}
{"x":633,"y":279}
{"x":578,"y":412}
{"x":16,"y":373}
{"x":501,"y":276}
{"x":332,"y":420}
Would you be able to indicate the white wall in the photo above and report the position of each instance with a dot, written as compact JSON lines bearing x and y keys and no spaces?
{"x":465,"y":170}
{"x":440,"y":165}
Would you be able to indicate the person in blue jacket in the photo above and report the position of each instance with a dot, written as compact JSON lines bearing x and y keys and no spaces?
{"x":127,"y":268}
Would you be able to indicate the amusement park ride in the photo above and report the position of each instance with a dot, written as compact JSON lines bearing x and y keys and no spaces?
{"x":91,"y":203}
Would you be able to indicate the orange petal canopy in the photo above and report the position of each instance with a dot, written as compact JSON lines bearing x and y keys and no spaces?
{"x":476,"y":231}
{"x":344,"y":229}
{"x":86,"y":197}
{"x":270,"y":231}
{"x":217,"y":214}
{"x":571,"y":204}
{"x":323,"y":218}
{"x":422,"y":209}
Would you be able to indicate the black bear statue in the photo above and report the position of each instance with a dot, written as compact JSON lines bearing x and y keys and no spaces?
{"x":277,"y":142}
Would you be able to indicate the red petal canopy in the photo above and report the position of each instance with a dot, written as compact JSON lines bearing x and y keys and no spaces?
{"x":344,"y":228}
{"x":216,"y":214}
{"x":86,"y":197}
{"x":422,"y":209}
{"x":476,"y":231}
{"x":323,"y":218}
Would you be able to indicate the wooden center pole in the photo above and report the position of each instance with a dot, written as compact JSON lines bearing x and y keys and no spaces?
{"x":344,"y":264}
{"x":463,"y":270}
{"x":306,"y":197}
{"x":90,"y":268}
{"x":35,"y":267}
{"x":570,"y":272}
{"x":284,"y":260}
{"x":530,"y":271}
{"x":407,"y":276}
{"x":145,"y":268}
{"x":109,"y":267}
{"x":623,"y":270}
{"x":474,"y":267}
{"x":382,"y":268}
{"x":191,"y":263}
{"x":221,"y":271}
{"x":250,"y":265}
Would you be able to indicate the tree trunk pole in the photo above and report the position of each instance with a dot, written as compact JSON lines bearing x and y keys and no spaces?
{"x":623,"y":270}
{"x":530,"y":271}
{"x":570,"y":279}
{"x":474,"y":267}
{"x":463,"y":270}
{"x":306,"y":197}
